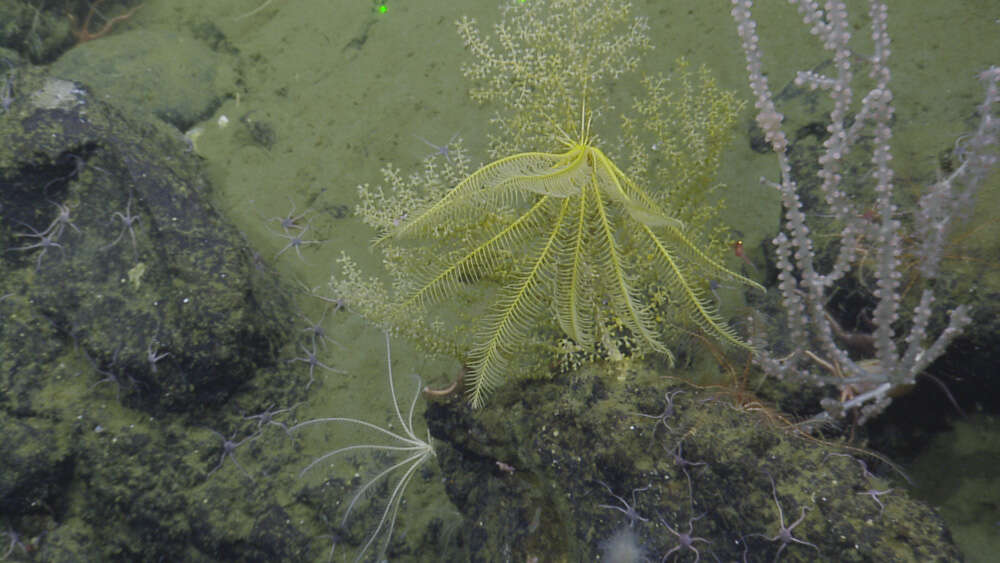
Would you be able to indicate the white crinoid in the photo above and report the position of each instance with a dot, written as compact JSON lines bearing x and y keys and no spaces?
{"x":414,"y":450}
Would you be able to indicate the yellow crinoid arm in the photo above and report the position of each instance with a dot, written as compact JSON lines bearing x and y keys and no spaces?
{"x":611,"y":262}
{"x":565,"y":176}
{"x":518,"y":306}
{"x":574,"y":288}
{"x":641,"y":207}
{"x":484,"y":257}
{"x":664,"y":238}
{"x":621,"y":189}
{"x":693,"y":300}
{"x":554,"y":174}
{"x":702,"y":261}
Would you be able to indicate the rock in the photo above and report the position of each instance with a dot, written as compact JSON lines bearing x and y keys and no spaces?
{"x":551,"y":469}
{"x":176,"y":77}
{"x":111,"y":239}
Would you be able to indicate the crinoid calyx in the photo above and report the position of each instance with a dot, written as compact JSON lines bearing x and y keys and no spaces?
{"x":568,"y":236}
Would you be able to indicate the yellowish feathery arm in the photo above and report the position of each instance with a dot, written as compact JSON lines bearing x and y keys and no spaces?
{"x":573,"y":291}
{"x":704,"y":316}
{"x":635,"y":315}
{"x":493,"y":182}
{"x":480,"y":259}
{"x":518,"y":305}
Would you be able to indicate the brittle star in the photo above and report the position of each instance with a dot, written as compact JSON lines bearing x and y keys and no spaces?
{"x":627,"y":509}
{"x":684,"y":539}
{"x":229,"y":446}
{"x":442,"y":150}
{"x":668,"y":411}
{"x":127,"y":220}
{"x":784,"y":534}
{"x":295,"y":241}
{"x":45,"y":242}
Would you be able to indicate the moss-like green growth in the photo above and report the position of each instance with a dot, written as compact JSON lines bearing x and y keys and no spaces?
{"x":570,"y":444}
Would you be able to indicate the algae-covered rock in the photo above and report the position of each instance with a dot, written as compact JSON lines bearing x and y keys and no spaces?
{"x":110,"y":237}
{"x":174,"y":76}
{"x":555,"y":470}
{"x":134,"y":322}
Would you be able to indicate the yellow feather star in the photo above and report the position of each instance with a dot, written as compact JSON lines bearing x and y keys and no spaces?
{"x":578,"y":209}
